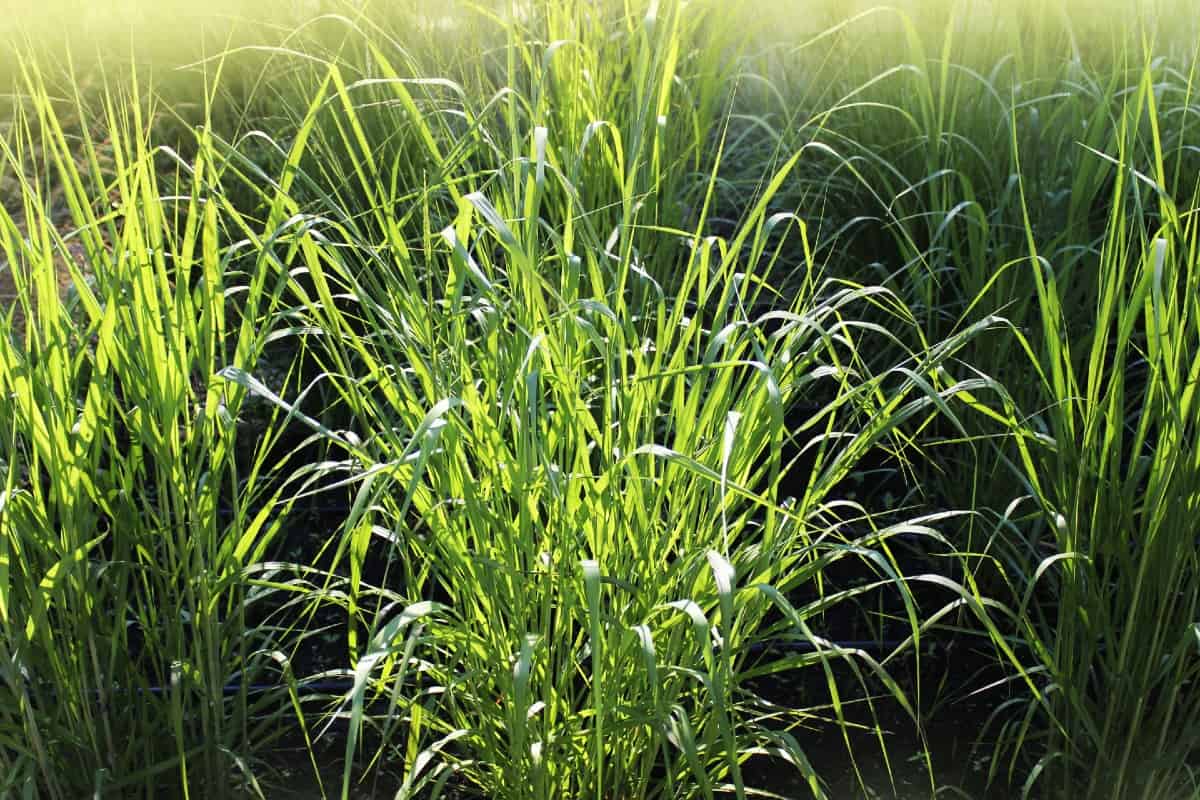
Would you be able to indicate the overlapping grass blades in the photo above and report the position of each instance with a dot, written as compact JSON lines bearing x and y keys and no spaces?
{"x":1098,"y":188}
{"x":572,"y":471}
{"x":1119,"y":483}
{"x":577,"y":301}
{"x":129,"y":510}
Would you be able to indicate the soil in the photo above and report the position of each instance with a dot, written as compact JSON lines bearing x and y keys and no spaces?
{"x":950,"y":735}
{"x":855,"y":766}
{"x":8,"y":288}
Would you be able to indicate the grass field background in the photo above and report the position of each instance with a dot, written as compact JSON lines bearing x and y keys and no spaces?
{"x":600,"y":399}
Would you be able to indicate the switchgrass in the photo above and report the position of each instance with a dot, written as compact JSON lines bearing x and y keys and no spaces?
{"x":128,"y":515}
{"x":1057,"y":183}
{"x":1045,"y":170}
{"x":576,"y":488}
{"x":1119,"y":481}
{"x":565,"y":426}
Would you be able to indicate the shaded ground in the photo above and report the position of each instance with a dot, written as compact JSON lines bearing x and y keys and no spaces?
{"x":904,"y":776}
{"x":8,"y":287}
{"x":950,"y":733}
{"x":952,"y":722}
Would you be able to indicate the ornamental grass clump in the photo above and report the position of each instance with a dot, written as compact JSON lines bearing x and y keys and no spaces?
{"x":1113,"y":604}
{"x":564,"y":429}
{"x":128,"y":519}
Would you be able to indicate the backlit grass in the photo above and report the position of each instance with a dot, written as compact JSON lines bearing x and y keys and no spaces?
{"x":643,"y":351}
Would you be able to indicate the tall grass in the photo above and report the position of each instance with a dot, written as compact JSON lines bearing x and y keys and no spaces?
{"x":566,"y":429}
{"x":1118,"y":643}
{"x":1046,"y":170}
{"x":578,"y":503}
{"x":129,"y":510}
{"x":578,"y":476}
{"x":1083,"y":233}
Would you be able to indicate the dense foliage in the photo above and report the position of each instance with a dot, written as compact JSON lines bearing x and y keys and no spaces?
{"x":514,"y":396}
